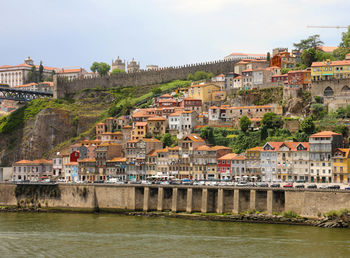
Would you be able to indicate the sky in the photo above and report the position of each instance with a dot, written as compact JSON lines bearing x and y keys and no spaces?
{"x":75,"y":33}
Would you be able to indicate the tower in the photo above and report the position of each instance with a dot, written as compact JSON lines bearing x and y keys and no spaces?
{"x":118,"y":64}
{"x":133,"y":66}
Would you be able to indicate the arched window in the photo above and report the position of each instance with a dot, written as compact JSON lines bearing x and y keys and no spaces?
{"x":345,"y":89}
{"x":328,"y":91}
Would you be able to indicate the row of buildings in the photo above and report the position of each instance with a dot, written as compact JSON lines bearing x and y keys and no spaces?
{"x":322,"y":159}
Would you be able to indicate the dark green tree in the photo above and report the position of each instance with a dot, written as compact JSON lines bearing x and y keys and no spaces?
{"x":308,"y":57}
{"x":207,"y":133}
{"x":167,"y":140}
{"x":285,"y":70}
{"x":32,"y":75}
{"x":103,"y":68}
{"x":94,"y":67}
{"x":307,"y":126}
{"x":244,"y":123}
{"x":311,"y":42}
{"x":268,"y":57}
{"x":41,"y":72}
{"x":344,"y":46}
{"x":318,"y":110}
{"x":190,"y":77}
{"x":272,"y":121}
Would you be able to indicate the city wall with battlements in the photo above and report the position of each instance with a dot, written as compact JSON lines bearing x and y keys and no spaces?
{"x":62,"y":87}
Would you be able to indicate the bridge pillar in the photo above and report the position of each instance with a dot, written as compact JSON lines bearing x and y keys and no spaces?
{"x":204,"y":208}
{"x":220,"y":207}
{"x":189,"y":200}
{"x":252,"y":203}
{"x":146,"y":196}
{"x":236,"y":201}
{"x":160,"y":199}
{"x":174,"y":200}
{"x":269,"y":202}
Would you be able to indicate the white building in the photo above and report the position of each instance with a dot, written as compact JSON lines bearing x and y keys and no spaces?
{"x":235,"y":56}
{"x":14,"y":75}
{"x":181,"y":123}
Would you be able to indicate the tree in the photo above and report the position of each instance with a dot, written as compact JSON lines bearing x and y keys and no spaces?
{"x":41,"y":71}
{"x":344,"y":46}
{"x":271,"y":120}
{"x":32,"y":75}
{"x":285,"y":70}
{"x":318,"y":110}
{"x":244,"y":123}
{"x":207,"y":134}
{"x":268,"y":57}
{"x":307,"y":126}
{"x":343,"y":129}
{"x":117,"y":71}
{"x":103,"y":69}
{"x":311,"y":42}
{"x":167,"y":140}
{"x":308,"y":56}
{"x":318,"y":99}
{"x":94,"y":67}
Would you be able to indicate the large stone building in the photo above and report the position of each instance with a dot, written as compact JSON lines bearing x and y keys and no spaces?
{"x":14,"y":75}
{"x":118,"y":64}
{"x":133,"y":66}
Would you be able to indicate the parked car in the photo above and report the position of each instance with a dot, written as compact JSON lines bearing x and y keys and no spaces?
{"x":164,"y":183}
{"x":275,"y":185}
{"x":230,"y":183}
{"x":335,"y":187}
{"x":261,"y":184}
{"x":241,"y":184}
{"x":175,"y":182}
{"x":288,"y":185}
{"x":323,"y":187}
{"x":347,"y":188}
{"x":99,"y":182}
{"x":300,"y":186}
{"x":313,"y":186}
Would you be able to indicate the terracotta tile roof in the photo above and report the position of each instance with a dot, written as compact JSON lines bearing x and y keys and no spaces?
{"x":140,"y":123}
{"x":247,"y":70}
{"x":156,"y":118}
{"x":167,"y":101}
{"x":87,"y":160}
{"x":326,"y":49}
{"x":64,"y":71}
{"x":258,"y":148}
{"x":166,"y":96}
{"x":324,"y":134}
{"x":127,"y":126}
{"x":331,"y":63}
{"x":23,"y":162}
{"x":72,"y":164}
{"x":218,"y":147}
{"x":232,"y":156}
{"x":152,"y":153}
{"x":194,"y":137}
{"x":346,"y":151}
{"x":150,"y":140}
{"x":117,"y":159}
{"x":204,"y":85}
{"x":203,"y":148}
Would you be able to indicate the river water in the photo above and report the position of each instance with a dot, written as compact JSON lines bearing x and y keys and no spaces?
{"x":110,"y":235}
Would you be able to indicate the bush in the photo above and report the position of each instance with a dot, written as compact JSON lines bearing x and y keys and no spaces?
{"x":290,"y":214}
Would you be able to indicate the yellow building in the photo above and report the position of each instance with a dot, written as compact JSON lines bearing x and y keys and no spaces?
{"x":139,"y":131}
{"x":328,"y":69}
{"x":207,"y":92}
{"x":341,"y":166}
{"x":157,"y":125}
{"x":253,"y":166}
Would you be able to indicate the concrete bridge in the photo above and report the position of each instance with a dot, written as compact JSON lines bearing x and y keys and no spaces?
{"x":109,"y":197}
{"x":22,"y":95}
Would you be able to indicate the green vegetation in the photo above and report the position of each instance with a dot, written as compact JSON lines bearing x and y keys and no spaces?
{"x":311,"y":42}
{"x":168,"y":140}
{"x":285,"y":70}
{"x":344,"y":46}
{"x":290,"y":214}
{"x":244,"y":123}
{"x":199,"y":75}
{"x":102,"y":68}
{"x":117,"y":71}
{"x":337,"y":214}
{"x":263,"y":96}
{"x":16,"y":119}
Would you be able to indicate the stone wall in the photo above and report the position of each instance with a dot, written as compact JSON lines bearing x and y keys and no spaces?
{"x":305,"y":202}
{"x":62,"y":87}
{"x":335,"y":93}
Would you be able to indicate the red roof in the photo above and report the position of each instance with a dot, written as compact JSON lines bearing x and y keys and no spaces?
{"x":324,"y":134}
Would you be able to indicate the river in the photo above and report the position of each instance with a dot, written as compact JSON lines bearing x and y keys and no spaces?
{"x":110,"y":235}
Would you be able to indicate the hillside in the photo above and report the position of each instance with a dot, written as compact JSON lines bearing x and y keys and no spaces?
{"x":44,"y":126}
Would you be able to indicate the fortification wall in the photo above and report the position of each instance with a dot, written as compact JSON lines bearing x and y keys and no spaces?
{"x":305,"y":202}
{"x":62,"y":87}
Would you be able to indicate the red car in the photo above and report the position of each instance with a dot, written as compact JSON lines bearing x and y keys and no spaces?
{"x":289,"y":185}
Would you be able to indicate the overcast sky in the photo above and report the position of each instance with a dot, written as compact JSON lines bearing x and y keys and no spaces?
{"x":66,"y":33}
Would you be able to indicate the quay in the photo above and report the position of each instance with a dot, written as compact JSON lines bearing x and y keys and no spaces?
{"x":175,"y":198}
